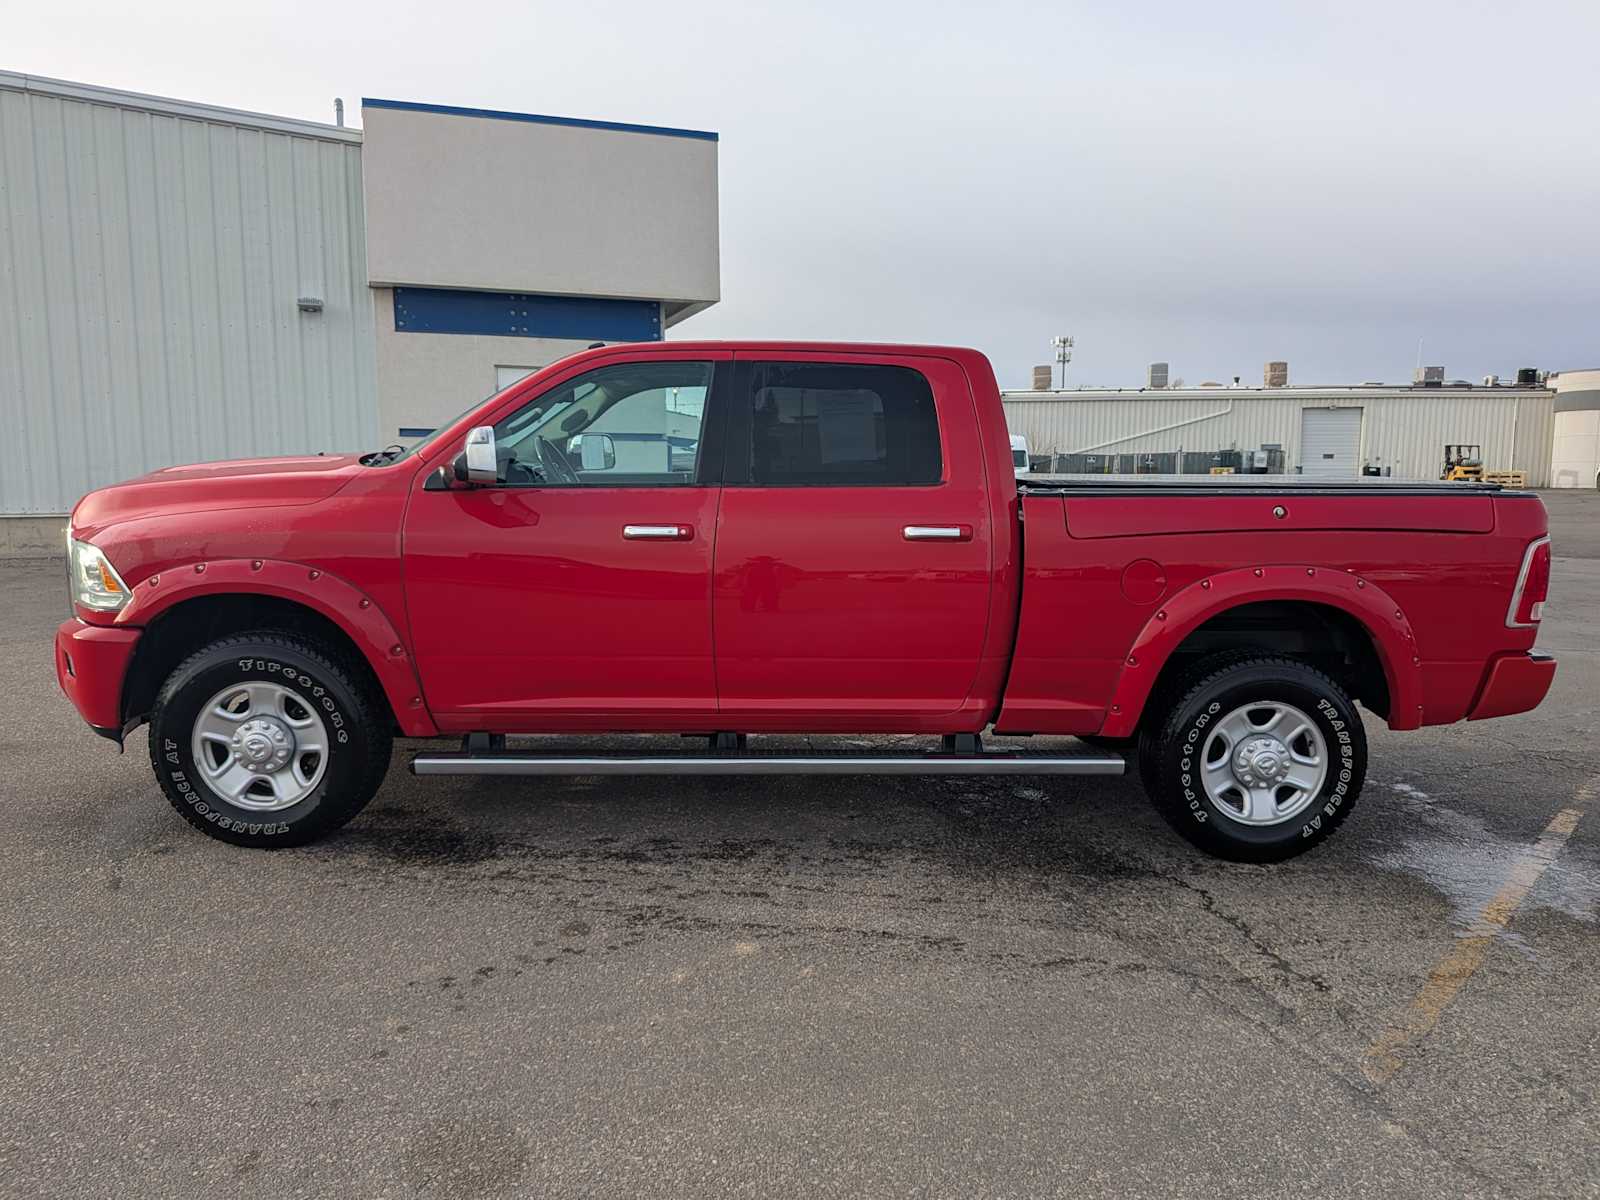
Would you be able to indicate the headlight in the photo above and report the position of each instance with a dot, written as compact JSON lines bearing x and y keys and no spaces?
{"x":94,"y":582}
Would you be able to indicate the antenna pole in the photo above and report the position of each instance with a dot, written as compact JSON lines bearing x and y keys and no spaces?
{"x":1063,"y":345}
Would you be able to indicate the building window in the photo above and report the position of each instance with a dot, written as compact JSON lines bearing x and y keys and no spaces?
{"x":505,"y":376}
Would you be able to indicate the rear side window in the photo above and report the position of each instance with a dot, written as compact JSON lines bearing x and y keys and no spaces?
{"x":841,"y":425}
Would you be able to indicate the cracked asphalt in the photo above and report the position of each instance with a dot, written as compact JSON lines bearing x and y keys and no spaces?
{"x":826,"y":987}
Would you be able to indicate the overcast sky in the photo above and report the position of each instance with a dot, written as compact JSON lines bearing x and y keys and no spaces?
{"x":1213,"y":184}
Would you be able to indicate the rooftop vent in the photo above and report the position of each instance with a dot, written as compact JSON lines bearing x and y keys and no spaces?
{"x":1275,"y":374}
{"x":1527,"y":377}
{"x":1156,"y":376}
{"x":1041,"y":378}
{"x":1428,"y":377}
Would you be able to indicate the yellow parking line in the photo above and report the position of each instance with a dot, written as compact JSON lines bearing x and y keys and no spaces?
{"x":1384,"y":1056}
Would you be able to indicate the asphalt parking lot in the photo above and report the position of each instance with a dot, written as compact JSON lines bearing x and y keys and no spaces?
{"x":806,"y":987}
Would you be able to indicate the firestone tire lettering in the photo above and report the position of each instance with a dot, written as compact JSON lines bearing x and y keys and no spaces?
{"x":1169,"y":749}
{"x":358,"y":720}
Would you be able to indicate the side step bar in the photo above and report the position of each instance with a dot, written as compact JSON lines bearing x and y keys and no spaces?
{"x":776,"y":763}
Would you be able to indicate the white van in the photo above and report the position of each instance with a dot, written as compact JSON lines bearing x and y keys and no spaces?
{"x":1019,"y":455}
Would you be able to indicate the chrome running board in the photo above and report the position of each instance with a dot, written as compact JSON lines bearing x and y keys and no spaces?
{"x":774,"y":763}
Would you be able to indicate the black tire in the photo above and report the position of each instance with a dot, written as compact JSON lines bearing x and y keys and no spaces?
{"x":1174,"y":740}
{"x":357,"y":723}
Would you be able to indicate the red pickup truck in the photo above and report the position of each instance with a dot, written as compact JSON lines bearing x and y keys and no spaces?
{"x":726,"y":539}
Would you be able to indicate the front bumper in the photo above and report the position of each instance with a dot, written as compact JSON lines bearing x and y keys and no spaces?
{"x":1516,"y":683}
{"x":91,"y":663}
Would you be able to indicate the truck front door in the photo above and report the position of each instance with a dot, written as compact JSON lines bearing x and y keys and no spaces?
{"x":575,"y":592}
{"x":853,"y":549}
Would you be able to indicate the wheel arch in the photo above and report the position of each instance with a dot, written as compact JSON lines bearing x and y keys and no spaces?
{"x":184,"y":609}
{"x":1338,"y":621}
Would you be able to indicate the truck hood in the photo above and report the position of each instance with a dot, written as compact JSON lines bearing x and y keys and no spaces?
{"x":239,"y":483}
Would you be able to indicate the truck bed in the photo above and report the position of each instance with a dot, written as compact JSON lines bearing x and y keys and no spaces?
{"x":1118,"y":578}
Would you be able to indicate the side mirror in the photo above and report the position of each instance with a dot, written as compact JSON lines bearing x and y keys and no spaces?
{"x":596,"y":451}
{"x":476,"y":462}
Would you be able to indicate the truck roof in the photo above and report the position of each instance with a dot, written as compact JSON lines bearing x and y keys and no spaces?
{"x":800,"y":347}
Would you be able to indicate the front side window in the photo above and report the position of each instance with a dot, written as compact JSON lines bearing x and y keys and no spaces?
{"x":628,"y":425}
{"x":842,"y":425}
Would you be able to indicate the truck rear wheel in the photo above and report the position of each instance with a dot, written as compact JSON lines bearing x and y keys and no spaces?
{"x":267,"y":740}
{"x":1257,"y":758}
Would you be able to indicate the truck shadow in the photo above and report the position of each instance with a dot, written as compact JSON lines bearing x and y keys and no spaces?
{"x":1017,"y":828}
{"x":1025,"y":872}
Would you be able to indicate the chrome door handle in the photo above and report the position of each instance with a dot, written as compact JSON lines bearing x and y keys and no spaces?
{"x":658,"y":533}
{"x":938,"y":533}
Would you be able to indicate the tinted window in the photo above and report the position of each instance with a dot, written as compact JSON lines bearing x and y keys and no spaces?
{"x":842,"y":425}
{"x":629,"y":425}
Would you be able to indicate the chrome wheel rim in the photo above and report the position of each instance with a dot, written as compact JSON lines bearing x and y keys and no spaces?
{"x":1264,"y":763}
{"x":260,"y":746}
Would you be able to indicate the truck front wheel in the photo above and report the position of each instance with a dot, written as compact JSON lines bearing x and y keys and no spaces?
{"x":1257,"y":759}
{"x":267,"y":740}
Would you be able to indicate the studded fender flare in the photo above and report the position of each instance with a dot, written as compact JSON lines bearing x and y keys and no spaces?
{"x":1185,"y":611}
{"x":362,"y":620}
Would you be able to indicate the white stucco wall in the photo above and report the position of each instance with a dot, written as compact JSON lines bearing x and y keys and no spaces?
{"x":1575,"y":453}
{"x":507,"y":204}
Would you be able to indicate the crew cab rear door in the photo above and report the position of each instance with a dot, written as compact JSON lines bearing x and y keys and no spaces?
{"x":853,"y":547}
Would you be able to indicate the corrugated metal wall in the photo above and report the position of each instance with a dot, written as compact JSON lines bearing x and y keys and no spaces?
{"x":1401,"y":429}
{"x":1536,"y":436}
{"x":150,"y":264}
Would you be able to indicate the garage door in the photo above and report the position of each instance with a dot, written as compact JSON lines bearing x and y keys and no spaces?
{"x":1330,"y":442}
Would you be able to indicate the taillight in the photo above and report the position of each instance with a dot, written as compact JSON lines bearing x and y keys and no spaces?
{"x":1533,"y":586}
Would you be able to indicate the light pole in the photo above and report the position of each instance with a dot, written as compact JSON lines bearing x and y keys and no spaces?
{"x":1063,"y":345}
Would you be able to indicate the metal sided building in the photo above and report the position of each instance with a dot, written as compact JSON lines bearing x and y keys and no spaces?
{"x":181,"y":282}
{"x":1328,"y":432}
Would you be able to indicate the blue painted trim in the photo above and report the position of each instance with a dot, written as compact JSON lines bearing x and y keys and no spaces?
{"x":525,"y":314}
{"x":537,"y":118}
{"x":412,"y":431}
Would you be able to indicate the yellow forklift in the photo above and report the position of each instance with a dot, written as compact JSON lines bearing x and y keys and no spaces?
{"x":1463,"y":464}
